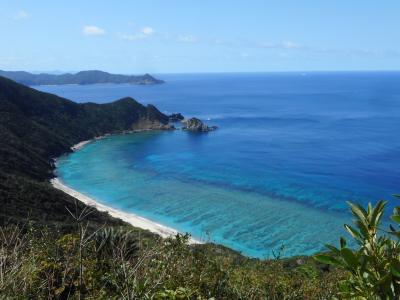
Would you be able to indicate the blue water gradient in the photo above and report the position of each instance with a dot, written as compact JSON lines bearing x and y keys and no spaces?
{"x":291,"y":149}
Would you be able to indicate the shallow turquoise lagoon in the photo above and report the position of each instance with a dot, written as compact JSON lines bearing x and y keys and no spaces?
{"x":124,"y":172}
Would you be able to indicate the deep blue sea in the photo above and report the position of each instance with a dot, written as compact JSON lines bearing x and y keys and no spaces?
{"x":290,"y":150}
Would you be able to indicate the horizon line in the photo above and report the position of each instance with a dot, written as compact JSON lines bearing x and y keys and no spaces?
{"x":60,"y":72}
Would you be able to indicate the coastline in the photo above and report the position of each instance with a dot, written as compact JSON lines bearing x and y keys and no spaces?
{"x":132,"y":219}
{"x":80,"y":145}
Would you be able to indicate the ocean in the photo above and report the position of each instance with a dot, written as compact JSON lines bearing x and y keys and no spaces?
{"x":290,"y":150}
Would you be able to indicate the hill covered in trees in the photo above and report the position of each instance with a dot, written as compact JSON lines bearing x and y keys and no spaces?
{"x":36,"y":127}
{"x":83,"y":77}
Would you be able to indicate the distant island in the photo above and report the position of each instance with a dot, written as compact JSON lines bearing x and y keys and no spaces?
{"x":83,"y":77}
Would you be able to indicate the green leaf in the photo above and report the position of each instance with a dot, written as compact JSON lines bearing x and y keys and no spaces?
{"x":377,"y":212}
{"x":358,"y":211}
{"x":396,"y":210}
{"x":363,"y":227}
{"x":334,"y":250}
{"x":396,"y":218}
{"x":395,"y":233}
{"x":354,"y":233}
{"x":349,"y":257}
{"x":342,"y":242}
{"x":384,"y":284}
{"x":395,"y":268}
{"x":363,"y":260}
{"x":326,"y":259}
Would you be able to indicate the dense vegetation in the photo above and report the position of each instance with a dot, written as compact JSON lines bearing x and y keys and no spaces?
{"x":122,"y":263}
{"x":83,"y":77}
{"x":36,"y":127}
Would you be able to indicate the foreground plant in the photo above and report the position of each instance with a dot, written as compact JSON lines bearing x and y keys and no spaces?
{"x":374,"y":265}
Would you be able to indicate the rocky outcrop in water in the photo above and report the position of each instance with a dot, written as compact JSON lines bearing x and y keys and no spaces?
{"x":197,"y":125}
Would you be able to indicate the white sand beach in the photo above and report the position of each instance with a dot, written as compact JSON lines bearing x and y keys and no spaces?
{"x":80,"y":145}
{"x":130,"y":218}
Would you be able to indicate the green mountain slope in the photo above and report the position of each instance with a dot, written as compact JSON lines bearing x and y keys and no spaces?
{"x":36,"y":127}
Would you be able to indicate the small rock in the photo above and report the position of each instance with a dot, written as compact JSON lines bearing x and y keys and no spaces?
{"x":195,"y":124}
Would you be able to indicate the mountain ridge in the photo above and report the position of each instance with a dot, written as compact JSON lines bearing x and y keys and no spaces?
{"x":82,"y":78}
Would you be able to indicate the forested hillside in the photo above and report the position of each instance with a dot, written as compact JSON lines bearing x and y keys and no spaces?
{"x":36,"y":127}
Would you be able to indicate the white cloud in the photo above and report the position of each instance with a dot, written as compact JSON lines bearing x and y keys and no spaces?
{"x":93,"y":30}
{"x":188,"y":39}
{"x":147,"y":30}
{"x":22,"y":14}
{"x":144,"y":33}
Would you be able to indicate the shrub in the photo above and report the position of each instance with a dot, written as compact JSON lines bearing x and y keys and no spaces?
{"x":373,"y":267}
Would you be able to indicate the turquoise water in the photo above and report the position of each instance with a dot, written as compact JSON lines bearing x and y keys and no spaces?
{"x":291,"y":149}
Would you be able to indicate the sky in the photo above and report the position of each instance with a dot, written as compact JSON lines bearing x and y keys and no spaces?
{"x":173,"y":36}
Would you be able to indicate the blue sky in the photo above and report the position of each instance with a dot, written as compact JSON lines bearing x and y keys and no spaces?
{"x":168,"y":36}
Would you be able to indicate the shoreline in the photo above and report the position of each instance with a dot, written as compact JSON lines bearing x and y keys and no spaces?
{"x":80,"y":145}
{"x":131,"y":218}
